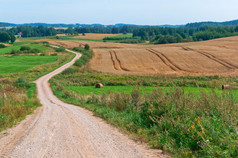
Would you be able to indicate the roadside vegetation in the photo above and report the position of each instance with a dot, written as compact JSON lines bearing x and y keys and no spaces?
{"x":17,"y":92}
{"x":184,"y":116}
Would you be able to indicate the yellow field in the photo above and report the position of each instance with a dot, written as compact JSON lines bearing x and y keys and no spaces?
{"x":214,"y":57}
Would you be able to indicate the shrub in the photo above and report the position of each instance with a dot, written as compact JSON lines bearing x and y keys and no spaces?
{"x":45,"y":42}
{"x":78,"y":63}
{"x":42,"y":54}
{"x":69,"y":71}
{"x":77,"y":49}
{"x":86,"y":47}
{"x":55,"y":54}
{"x":61,"y":49}
{"x":2,"y":46}
{"x":13,"y":51}
{"x":25,"y":48}
{"x":35,"y":50}
{"x":22,"y":82}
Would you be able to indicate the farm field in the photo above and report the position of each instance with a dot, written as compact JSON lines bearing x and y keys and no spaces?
{"x":217,"y":57}
{"x":214,"y":57}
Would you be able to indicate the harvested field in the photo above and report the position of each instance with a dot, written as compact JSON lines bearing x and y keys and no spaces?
{"x":95,"y":36}
{"x":214,"y":57}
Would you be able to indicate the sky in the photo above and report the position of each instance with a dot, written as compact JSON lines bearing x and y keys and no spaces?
{"x":141,"y":12}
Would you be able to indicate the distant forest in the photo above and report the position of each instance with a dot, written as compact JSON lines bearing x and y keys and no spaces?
{"x":153,"y":34}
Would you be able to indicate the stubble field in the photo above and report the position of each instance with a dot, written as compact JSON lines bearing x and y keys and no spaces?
{"x":215,"y":57}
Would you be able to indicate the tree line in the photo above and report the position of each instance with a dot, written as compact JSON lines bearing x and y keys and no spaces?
{"x":163,"y":35}
{"x":154,"y":34}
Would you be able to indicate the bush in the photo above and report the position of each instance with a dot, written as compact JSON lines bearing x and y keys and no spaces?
{"x":77,"y":49}
{"x":35,"y":50}
{"x":55,"y":54}
{"x":22,"y":82}
{"x":45,"y":42}
{"x":2,"y":46}
{"x":61,"y":49}
{"x":13,"y":51}
{"x":42,"y":54}
{"x":78,"y":63}
{"x":69,"y":71}
{"x":86,"y":47}
{"x":25,"y":48}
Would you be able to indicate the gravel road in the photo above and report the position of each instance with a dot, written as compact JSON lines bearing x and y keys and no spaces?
{"x":58,"y":129}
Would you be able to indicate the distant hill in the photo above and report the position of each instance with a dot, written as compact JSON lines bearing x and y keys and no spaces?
{"x":2,"y":24}
{"x":191,"y":25}
{"x":210,"y":23}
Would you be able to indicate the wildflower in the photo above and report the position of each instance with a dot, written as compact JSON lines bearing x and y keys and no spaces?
{"x":197,"y":119}
{"x":192,"y":127}
{"x":200,"y":133}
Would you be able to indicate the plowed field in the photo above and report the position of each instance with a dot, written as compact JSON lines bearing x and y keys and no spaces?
{"x":214,"y":57}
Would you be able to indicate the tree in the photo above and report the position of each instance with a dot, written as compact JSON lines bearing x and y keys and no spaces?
{"x":13,"y":38}
{"x":86,"y":47}
{"x":115,"y":30}
{"x":4,"y":37}
{"x":236,"y":28}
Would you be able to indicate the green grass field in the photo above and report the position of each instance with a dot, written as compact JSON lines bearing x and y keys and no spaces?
{"x":17,"y":47}
{"x":13,"y":64}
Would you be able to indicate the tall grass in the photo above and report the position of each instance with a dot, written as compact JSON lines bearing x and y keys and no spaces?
{"x":177,"y":122}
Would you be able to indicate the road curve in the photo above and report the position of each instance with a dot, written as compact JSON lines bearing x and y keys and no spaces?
{"x":59,"y":130}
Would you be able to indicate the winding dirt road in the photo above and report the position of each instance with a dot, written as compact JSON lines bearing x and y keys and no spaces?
{"x":58,"y":130}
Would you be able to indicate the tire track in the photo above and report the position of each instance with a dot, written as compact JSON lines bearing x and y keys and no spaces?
{"x":165,"y":59}
{"x":212,"y":57}
{"x":119,"y":62}
{"x":113,"y":61}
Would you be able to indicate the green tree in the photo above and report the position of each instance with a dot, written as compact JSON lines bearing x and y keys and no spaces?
{"x":13,"y":38}
{"x":4,"y":37}
{"x":86,"y":47}
{"x":115,"y":30}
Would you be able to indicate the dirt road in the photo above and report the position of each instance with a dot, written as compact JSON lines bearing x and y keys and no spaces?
{"x":58,"y":130}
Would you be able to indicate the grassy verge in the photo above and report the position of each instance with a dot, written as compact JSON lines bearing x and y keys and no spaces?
{"x":188,"y":116}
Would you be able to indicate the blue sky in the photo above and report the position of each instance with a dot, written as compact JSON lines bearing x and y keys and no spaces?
{"x":148,"y":12}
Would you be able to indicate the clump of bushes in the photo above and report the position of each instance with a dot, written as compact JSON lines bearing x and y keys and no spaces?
{"x":2,"y":46}
{"x":86,"y":56}
{"x":69,"y":71}
{"x":25,"y":49}
{"x":54,"y":54}
{"x":35,"y":50}
{"x":78,"y":49}
{"x":14,"y":51}
{"x":60,"y":49}
{"x":22,"y":82}
{"x":86,"y":47}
